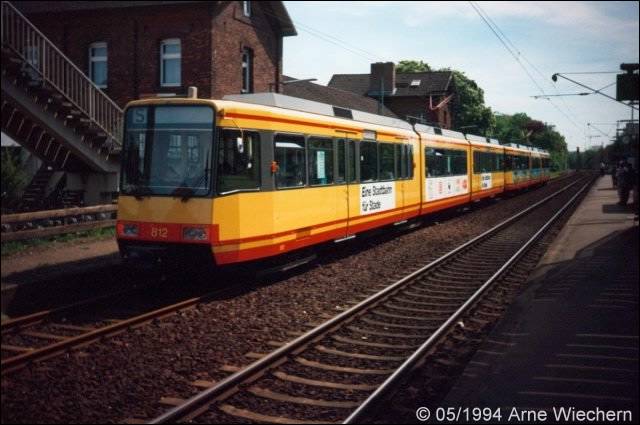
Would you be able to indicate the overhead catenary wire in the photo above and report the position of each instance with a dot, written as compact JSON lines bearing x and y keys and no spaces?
{"x":515,"y":52}
{"x":332,"y":39}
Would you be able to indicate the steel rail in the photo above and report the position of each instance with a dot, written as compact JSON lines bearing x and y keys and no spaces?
{"x":13,"y":363}
{"x":430,"y":343}
{"x":9,"y":325}
{"x":209,"y":395}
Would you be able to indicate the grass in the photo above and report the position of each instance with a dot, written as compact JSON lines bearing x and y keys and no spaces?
{"x":13,"y":247}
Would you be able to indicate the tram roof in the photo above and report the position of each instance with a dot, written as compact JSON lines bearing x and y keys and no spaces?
{"x":278,"y":100}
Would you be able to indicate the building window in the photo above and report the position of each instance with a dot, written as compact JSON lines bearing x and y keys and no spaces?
{"x":170,"y":57}
{"x":246,"y":8}
{"x":247,"y":71}
{"x":98,"y":64}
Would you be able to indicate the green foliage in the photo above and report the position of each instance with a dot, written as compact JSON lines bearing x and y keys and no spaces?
{"x":13,"y":247}
{"x":470,"y":114}
{"x":412,"y":66}
{"x":522,"y":129}
{"x":14,"y":179}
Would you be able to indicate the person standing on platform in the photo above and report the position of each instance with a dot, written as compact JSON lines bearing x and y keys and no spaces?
{"x":626,"y":179}
{"x":614,"y":175}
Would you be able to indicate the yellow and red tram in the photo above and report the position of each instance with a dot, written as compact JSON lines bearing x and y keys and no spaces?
{"x":254,"y":176}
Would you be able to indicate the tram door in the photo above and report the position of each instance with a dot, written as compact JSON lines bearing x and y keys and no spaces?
{"x":352,"y":188}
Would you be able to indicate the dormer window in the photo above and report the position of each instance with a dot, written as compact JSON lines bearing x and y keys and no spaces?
{"x":246,"y":8}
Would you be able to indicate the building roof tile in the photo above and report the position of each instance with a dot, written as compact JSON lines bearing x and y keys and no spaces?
{"x":333,"y":96}
{"x":407,"y":83}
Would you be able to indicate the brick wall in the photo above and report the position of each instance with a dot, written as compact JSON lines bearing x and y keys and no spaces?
{"x":212,"y":37}
{"x":233,"y":32}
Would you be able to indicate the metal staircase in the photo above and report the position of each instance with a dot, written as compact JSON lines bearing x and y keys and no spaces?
{"x":35,"y":193}
{"x":51,"y":107}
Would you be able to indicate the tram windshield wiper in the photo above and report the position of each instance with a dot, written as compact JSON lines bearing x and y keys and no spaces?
{"x":183,"y":192}
{"x":140,"y":191}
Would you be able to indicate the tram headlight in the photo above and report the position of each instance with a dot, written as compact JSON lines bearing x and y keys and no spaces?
{"x":130,"y":229}
{"x":195,"y":234}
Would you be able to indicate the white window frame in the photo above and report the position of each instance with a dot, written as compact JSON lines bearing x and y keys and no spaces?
{"x":164,"y":56}
{"x":246,"y":8}
{"x":247,"y":75}
{"x":92,"y":59}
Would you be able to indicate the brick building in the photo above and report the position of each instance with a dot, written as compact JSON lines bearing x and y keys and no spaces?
{"x":427,"y":96}
{"x":137,"y":49}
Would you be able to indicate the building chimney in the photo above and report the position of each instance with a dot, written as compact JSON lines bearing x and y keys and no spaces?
{"x":385,"y":72}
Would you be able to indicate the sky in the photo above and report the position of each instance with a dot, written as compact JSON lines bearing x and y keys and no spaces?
{"x":544,"y":38}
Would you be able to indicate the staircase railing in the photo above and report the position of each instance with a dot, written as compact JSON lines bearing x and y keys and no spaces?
{"x":54,"y":68}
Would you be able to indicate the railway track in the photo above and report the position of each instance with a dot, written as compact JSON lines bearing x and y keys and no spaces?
{"x":48,"y":333}
{"x":338,"y":370}
{"x":45,"y":334}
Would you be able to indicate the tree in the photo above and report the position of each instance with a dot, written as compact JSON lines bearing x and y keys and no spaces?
{"x":521,"y":129}
{"x":470,"y":114}
{"x":412,"y":66}
{"x":469,"y":111}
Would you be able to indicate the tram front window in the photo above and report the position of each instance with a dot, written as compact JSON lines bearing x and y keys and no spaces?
{"x":167,"y":151}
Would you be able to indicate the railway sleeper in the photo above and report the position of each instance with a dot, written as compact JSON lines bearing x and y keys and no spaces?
{"x":342,"y":369}
{"x":348,"y":340}
{"x":396,"y":325}
{"x":328,"y":350}
{"x":323,"y":384}
{"x":438,"y":295}
{"x":261,"y":418}
{"x":386,"y":334}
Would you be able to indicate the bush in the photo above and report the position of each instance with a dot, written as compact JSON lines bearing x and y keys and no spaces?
{"x":14,"y":179}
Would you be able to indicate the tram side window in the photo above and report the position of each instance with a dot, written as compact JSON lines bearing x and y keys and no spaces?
{"x":516,"y":162}
{"x":346,"y":168}
{"x":320,"y":161}
{"x":238,"y":161}
{"x":351,"y":162}
{"x":410,"y":160}
{"x":291,"y":160}
{"x":368,"y":161}
{"x":341,"y":166}
{"x":486,"y":162}
{"x":499,"y":161}
{"x":387,"y":161}
{"x":445,"y":162}
{"x":403,"y":163}
{"x":509,"y":162}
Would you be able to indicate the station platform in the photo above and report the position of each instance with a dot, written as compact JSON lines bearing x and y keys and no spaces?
{"x":570,"y":340}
